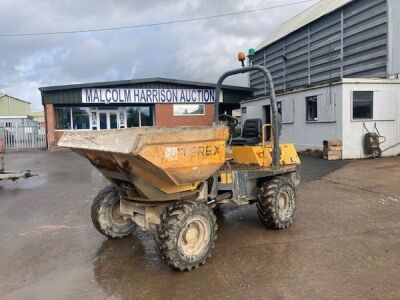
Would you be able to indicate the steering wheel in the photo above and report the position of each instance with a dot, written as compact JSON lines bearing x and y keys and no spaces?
{"x":231,"y":122}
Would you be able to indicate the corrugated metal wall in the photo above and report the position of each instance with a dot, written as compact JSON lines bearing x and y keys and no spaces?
{"x":394,"y":37}
{"x":349,"y":42}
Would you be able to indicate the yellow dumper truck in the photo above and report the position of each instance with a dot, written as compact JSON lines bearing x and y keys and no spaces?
{"x":167,"y":180}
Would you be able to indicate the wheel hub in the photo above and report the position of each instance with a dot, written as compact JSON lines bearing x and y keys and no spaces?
{"x":116,"y":215}
{"x":283,"y":203}
{"x":191,"y":234}
{"x":194,"y":237}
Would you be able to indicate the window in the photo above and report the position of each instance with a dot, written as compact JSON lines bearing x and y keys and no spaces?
{"x":139,"y":116}
{"x":363,"y":105}
{"x":80,"y":117}
{"x":63,"y":117}
{"x":72,"y":118}
{"x":107,"y":117}
{"x":279,"y":105}
{"x":312,"y":108}
{"x":244,"y":109}
{"x":188,"y":109}
{"x":146,"y":116}
{"x":9,"y":124}
{"x":132,"y":116}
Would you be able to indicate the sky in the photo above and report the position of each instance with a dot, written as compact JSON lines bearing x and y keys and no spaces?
{"x":197,"y":50}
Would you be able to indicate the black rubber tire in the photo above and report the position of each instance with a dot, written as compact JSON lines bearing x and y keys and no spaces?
{"x":376,"y":152}
{"x":268,"y":203}
{"x":96,"y":202}
{"x":169,"y":234}
{"x":102,"y":218}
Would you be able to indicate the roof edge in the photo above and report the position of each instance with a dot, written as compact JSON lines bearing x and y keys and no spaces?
{"x":17,"y":117}
{"x":4,"y":96}
{"x":143,"y":80}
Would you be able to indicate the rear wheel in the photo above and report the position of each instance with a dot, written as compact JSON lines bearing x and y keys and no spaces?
{"x":376,"y":152}
{"x":277,"y":203}
{"x":106,"y":215}
{"x":186,"y":234}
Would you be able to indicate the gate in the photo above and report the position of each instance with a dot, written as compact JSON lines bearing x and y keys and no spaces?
{"x":24,"y":137}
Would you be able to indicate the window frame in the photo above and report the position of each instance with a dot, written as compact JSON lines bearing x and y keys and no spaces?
{"x":352,"y":106}
{"x":140,"y":115}
{"x":313,"y":98}
{"x":279,"y":107}
{"x":93,"y":114}
{"x":188,"y":115}
{"x":87,"y":110}
{"x":70,"y":119}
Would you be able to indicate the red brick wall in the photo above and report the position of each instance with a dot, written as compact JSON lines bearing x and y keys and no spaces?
{"x":164,"y":116}
{"x":53,"y":136}
{"x":50,"y":124}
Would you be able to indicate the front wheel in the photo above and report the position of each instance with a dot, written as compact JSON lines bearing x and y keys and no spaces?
{"x":106,"y":215}
{"x":186,"y":234}
{"x":277,"y":203}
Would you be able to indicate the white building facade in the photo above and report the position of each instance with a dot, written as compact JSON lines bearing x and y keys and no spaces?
{"x":12,"y":121}
{"x":343,"y":110}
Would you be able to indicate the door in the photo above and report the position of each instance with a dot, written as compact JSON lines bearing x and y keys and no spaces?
{"x":108,"y":120}
{"x":103,"y":120}
{"x":113,"y":120}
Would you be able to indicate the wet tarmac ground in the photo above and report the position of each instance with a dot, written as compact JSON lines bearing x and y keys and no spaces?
{"x":345,"y":243}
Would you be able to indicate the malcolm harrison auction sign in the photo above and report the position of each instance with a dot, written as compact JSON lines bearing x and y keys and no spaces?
{"x":114,"y":96}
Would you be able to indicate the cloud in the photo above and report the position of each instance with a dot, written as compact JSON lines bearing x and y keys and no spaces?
{"x":198,"y":50}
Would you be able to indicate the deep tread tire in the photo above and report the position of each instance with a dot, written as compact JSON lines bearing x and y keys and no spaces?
{"x":102,"y":214}
{"x":174,"y":223}
{"x":269,"y":196}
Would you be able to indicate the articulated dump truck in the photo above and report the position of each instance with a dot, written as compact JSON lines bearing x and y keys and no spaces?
{"x":168,"y":180}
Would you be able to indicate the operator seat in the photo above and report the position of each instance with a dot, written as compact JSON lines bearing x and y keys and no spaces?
{"x":251,"y":133}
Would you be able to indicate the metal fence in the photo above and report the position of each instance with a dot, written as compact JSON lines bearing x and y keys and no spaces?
{"x":24,"y":137}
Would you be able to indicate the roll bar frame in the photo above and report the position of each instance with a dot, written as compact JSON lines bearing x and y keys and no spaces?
{"x":272,"y":96}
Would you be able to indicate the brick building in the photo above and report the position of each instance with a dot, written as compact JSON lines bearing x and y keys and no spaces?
{"x":133,"y":103}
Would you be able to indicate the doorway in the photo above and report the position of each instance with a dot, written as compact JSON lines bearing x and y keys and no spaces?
{"x":108,"y":120}
{"x":113,"y":120}
{"x":103,"y":122}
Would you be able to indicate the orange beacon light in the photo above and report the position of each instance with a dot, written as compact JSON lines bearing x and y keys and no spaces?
{"x":241,"y":57}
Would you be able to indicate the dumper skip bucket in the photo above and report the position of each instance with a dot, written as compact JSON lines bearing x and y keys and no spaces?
{"x":171,"y":159}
